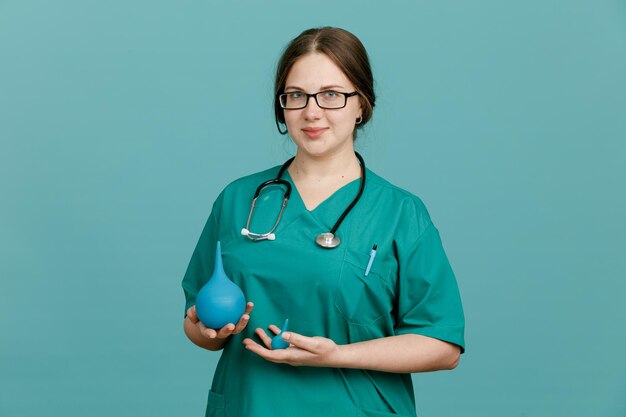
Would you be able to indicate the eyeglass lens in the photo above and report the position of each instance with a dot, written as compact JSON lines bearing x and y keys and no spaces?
{"x":325,"y":100}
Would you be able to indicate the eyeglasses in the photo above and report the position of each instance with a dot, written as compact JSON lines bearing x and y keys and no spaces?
{"x":328,"y":99}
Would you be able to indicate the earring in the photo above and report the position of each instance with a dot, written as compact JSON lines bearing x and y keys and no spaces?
{"x":359,"y":120}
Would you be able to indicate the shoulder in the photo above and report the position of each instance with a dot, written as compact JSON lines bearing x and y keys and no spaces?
{"x":403,"y":202}
{"x":244,"y":187}
{"x":252,"y":180}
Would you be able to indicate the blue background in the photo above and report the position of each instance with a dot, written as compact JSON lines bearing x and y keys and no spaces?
{"x":120,"y":121}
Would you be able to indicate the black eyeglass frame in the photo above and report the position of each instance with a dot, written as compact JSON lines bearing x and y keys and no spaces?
{"x":314,"y":95}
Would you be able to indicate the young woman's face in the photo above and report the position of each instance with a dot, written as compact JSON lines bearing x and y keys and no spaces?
{"x":321,"y":132}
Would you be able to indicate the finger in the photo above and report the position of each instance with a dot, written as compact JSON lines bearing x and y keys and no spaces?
{"x":254,"y":346}
{"x":209,"y":333}
{"x":267,"y":341}
{"x":226,"y":331}
{"x":249,"y":307}
{"x":245,"y":318}
{"x":277,"y":356}
{"x":274,"y":328}
{"x":243,"y":322}
{"x":205,"y":331}
{"x":248,"y":341}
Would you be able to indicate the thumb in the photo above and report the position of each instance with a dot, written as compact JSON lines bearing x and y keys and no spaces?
{"x":191,"y":313}
{"x":299,"y":341}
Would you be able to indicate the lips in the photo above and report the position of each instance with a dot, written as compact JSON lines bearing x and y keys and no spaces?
{"x":314,"y":132}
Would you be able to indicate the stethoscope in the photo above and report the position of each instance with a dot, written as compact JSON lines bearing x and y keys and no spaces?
{"x":326,"y":240}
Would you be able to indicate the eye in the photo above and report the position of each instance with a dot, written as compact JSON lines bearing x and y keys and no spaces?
{"x":331,"y":94}
{"x":295,"y":95}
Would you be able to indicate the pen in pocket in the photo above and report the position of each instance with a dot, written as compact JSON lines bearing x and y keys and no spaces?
{"x":372,"y":256}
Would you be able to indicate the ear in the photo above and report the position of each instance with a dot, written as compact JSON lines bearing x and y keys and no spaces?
{"x":362,"y":107}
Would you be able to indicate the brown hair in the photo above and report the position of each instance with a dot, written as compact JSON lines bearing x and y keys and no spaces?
{"x":344,"y":49}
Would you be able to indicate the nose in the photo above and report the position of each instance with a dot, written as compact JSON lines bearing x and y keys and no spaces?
{"x":312,"y":111}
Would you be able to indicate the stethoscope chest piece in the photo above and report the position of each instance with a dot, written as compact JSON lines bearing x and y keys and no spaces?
{"x":327,"y":240}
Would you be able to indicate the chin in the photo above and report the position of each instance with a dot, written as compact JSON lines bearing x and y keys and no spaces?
{"x":316,"y":149}
{"x":314,"y":153}
{"x":313,"y":148}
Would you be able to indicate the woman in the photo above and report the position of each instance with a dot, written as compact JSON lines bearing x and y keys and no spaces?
{"x":361,"y":321}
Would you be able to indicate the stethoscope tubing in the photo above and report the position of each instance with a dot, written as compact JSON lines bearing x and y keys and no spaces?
{"x":356,"y":199}
{"x":278,"y":180}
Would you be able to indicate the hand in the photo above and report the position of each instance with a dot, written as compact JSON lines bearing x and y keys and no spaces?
{"x":302,"y":350}
{"x":225,"y":331}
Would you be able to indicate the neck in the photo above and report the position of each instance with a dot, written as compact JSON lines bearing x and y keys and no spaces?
{"x":344,"y":165}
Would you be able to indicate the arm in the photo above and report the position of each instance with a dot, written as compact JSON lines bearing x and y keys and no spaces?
{"x":406,"y":353}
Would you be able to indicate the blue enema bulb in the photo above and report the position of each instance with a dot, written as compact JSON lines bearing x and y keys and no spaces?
{"x":277,"y":341}
{"x":220,"y":301}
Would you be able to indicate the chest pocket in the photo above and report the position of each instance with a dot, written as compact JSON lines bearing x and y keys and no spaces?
{"x":362,"y":300}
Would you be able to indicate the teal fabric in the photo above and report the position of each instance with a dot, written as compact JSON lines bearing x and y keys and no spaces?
{"x":410,"y":289}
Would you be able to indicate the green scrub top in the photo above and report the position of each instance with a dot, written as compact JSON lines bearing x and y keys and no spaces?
{"x":324,"y":292}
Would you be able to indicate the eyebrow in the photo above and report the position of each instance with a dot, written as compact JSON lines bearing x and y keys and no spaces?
{"x":324,"y":88}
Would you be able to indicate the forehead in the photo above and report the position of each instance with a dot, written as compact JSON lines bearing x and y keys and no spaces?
{"x":315,"y":70}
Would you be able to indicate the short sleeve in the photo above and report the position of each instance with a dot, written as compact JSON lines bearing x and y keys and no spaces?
{"x":428,"y":299}
{"x":203,"y":258}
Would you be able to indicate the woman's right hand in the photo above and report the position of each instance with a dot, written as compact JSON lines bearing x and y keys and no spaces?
{"x":225,"y":331}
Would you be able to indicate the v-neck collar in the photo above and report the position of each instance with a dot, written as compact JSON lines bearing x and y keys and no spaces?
{"x":295,"y":193}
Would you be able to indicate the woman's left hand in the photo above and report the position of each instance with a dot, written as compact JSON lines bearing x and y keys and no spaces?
{"x":302,"y":350}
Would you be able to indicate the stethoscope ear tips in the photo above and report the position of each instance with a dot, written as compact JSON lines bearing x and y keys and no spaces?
{"x":245,"y":232}
{"x":271,"y":236}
